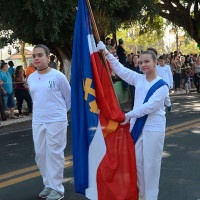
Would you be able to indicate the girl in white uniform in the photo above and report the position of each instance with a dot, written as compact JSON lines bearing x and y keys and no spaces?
{"x":149,"y":146}
{"x":50,"y":92}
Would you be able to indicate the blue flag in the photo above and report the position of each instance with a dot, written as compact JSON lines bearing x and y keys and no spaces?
{"x":84,"y":112}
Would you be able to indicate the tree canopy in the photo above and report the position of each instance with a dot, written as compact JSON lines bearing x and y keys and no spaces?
{"x":52,"y":22}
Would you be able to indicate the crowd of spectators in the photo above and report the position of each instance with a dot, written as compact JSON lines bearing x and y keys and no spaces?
{"x":185,"y":69}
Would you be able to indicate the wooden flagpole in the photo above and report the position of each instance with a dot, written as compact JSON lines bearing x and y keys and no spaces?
{"x":96,"y":35}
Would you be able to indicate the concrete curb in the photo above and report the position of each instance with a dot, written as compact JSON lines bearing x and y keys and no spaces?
{"x":182,"y":91}
{"x":15,"y":121}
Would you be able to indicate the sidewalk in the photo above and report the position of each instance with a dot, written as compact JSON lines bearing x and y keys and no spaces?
{"x":125,"y":107}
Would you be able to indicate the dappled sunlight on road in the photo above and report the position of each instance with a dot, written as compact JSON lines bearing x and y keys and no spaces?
{"x":165,"y":154}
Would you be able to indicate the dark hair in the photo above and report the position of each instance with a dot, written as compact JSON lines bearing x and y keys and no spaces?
{"x":175,"y":55}
{"x":135,"y":55}
{"x":152,"y":53}
{"x":161,"y":58}
{"x":10,"y":63}
{"x":107,"y":39}
{"x":3,"y":65}
{"x":152,"y":49}
{"x":17,"y":69}
{"x":113,"y":42}
{"x":52,"y":57}
{"x":120,"y":41}
{"x":46,"y":49}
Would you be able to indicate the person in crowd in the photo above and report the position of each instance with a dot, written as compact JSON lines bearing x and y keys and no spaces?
{"x":187,"y":82}
{"x":167,"y":59}
{"x":11,"y":69}
{"x":121,"y":52}
{"x":1,"y":62}
{"x":113,"y":50}
{"x":30,"y":69}
{"x":2,"y":111}
{"x":7,"y":90}
{"x":183,"y":70}
{"x":51,"y":96}
{"x":191,"y":59}
{"x":21,"y":90}
{"x":195,"y":57}
{"x":129,"y":60}
{"x":187,"y":60}
{"x":134,"y":66}
{"x":195,"y":72}
{"x":176,"y":68}
{"x":52,"y":64}
{"x":149,"y":146}
{"x":108,"y":43}
{"x":138,"y":53}
{"x":164,"y":71}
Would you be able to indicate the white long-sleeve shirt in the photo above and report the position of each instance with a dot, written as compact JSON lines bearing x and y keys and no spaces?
{"x":166,"y":74}
{"x":154,"y":108}
{"x":51,"y":96}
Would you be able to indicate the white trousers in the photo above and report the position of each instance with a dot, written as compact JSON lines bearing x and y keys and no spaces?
{"x":49,"y":143}
{"x":148,"y":149}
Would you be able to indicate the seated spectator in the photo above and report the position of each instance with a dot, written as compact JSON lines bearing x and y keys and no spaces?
{"x":113,"y":49}
{"x":30,"y":69}
{"x":108,"y":44}
{"x":129,"y":60}
{"x":7,"y":90}
{"x":52,"y":64}
{"x":21,"y":91}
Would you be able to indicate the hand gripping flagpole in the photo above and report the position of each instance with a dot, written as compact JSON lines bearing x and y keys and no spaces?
{"x":96,"y":35}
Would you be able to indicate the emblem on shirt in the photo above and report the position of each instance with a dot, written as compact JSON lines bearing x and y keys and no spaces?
{"x":52,"y":84}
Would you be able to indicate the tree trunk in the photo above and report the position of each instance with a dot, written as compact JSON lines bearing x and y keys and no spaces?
{"x":67,"y":66}
{"x":22,"y":51}
{"x":66,"y":62}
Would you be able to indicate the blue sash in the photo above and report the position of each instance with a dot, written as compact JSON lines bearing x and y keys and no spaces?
{"x":140,"y":122}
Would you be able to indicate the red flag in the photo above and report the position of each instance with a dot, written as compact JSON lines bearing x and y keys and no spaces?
{"x":116,"y":175}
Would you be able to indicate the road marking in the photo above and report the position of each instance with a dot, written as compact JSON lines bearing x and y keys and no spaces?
{"x":182,"y":129}
{"x":169,"y":131}
{"x":183,"y":124}
{"x":27,"y":177}
{"x":22,"y":171}
{"x":10,"y":132}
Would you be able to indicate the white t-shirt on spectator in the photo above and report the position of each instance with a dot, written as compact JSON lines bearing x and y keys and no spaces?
{"x":166,"y":74}
{"x":51,"y":96}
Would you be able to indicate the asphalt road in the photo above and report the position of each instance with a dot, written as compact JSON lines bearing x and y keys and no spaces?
{"x":180,"y":176}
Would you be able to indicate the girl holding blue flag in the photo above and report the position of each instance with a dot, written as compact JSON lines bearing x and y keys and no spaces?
{"x":147,"y":119}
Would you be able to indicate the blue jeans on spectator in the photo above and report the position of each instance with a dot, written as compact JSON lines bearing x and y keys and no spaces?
{"x":8,"y":100}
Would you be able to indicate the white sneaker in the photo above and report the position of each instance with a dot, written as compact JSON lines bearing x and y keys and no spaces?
{"x":45,"y":192}
{"x":54,"y":195}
